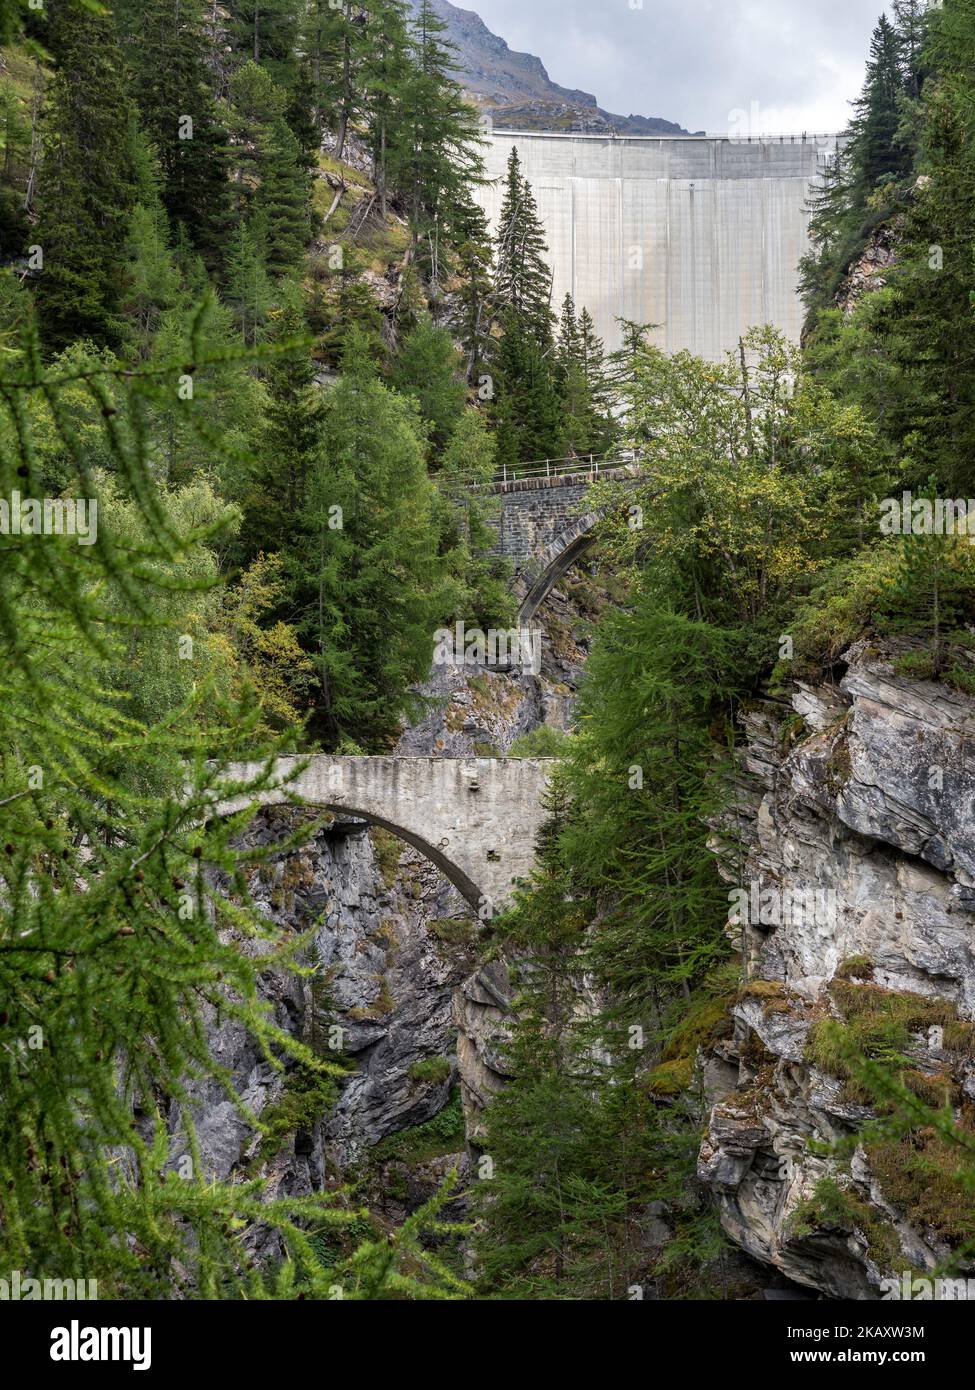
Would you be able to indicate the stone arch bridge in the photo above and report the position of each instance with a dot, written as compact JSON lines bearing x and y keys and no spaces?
{"x":543,"y":522}
{"x":477,"y":819}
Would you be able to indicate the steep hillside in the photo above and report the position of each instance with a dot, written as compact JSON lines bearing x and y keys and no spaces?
{"x":517,"y":90}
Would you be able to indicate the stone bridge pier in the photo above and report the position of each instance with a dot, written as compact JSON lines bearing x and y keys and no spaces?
{"x":477,"y":819}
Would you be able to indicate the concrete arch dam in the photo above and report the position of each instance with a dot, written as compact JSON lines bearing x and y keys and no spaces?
{"x":700,"y":235}
{"x":477,"y":819}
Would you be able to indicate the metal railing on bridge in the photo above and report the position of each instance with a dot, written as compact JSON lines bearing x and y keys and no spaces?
{"x":591,"y":464}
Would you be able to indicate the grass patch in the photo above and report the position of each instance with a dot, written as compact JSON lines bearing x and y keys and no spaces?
{"x":388,"y":849}
{"x":922,"y":1175}
{"x":834,"y":1207}
{"x":444,"y":1134}
{"x":876,"y":1023}
{"x":855,"y":968}
{"x":707,"y":1020}
{"x":958,"y":1036}
{"x":330,"y":165}
{"x":671,"y":1078}
{"x":454,"y":931}
{"x":431,"y":1070}
{"x":481,"y":687}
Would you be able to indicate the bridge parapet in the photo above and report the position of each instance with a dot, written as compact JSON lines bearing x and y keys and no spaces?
{"x":477,"y":819}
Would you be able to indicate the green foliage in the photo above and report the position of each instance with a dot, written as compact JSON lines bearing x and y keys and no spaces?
{"x":308,"y":1096}
{"x":428,"y":368}
{"x":443,"y":1134}
{"x":640,"y":769}
{"x":116,"y":945}
{"x":544,"y":742}
{"x":431,"y":1070}
{"x":405,"y":1263}
{"x":920,"y":1151}
{"x":370,"y":589}
{"x":86,"y":183}
{"x":932,"y":593}
{"x":876,"y":1023}
{"x":468,"y":518}
{"x":754,"y":475}
{"x":288,"y":444}
{"x":867,"y":182}
{"x":434,"y":150}
{"x":583,"y":384}
{"x":832,"y":1207}
{"x":168,"y":49}
{"x":527,"y":410}
{"x":523,"y":281}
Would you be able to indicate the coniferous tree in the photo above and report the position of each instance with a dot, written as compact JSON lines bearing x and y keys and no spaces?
{"x":169,"y":51}
{"x":523,"y":280}
{"x":370,"y":588}
{"x":539,"y":1204}
{"x":526,"y":408}
{"x":928,"y":319}
{"x":249,"y":290}
{"x":384,"y":74}
{"x":15,"y":147}
{"x":867,"y":181}
{"x":300,"y":116}
{"x":335,"y":43}
{"x":436,"y":153}
{"x":473,"y":320}
{"x":581,"y":375}
{"x":428,"y":367}
{"x":879,"y":155}
{"x":124,"y":901}
{"x":469,"y":523}
{"x":284,"y":200}
{"x":289,"y":442}
{"x":86,"y":182}
{"x":266,"y":31}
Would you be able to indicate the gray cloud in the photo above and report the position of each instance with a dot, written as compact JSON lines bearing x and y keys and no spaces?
{"x":793,"y":64}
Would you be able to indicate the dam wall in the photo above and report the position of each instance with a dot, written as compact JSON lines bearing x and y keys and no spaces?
{"x":699,"y":235}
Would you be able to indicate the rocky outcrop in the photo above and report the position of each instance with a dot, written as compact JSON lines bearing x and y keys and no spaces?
{"x":482,"y":1007}
{"x":854,"y":813}
{"x":519,"y":91}
{"x":391,"y":941}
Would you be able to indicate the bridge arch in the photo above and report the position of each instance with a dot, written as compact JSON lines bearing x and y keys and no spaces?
{"x":536,"y":580}
{"x":476,"y":819}
{"x":544,"y":524}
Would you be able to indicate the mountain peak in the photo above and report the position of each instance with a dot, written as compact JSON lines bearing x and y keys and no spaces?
{"x":517,"y":90}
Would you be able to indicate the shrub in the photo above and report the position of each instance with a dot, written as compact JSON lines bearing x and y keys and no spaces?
{"x":544,"y":742}
{"x":433,"y":1070}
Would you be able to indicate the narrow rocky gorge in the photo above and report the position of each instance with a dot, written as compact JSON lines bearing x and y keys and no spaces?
{"x":397,"y":994}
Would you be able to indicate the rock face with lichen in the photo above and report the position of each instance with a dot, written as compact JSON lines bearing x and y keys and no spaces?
{"x":854,"y":816}
{"x":390,"y":940}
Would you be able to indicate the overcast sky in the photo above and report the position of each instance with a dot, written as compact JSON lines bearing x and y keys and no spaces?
{"x":796,"y":62}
